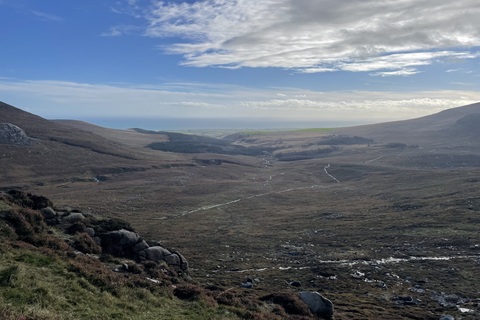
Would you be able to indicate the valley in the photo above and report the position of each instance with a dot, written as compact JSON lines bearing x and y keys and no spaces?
{"x":383,"y":220}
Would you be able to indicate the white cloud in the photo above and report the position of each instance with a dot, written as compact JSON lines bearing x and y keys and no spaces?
{"x":318,"y":36}
{"x":47,"y":16}
{"x":120,"y":30}
{"x":58,"y":99}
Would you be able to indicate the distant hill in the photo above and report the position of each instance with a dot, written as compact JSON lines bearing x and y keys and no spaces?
{"x":456,"y":126}
{"x":54,"y":150}
{"x":43,"y":129}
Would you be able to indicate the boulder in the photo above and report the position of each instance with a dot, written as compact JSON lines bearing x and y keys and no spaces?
{"x":317,"y":304}
{"x":11,"y":134}
{"x":173,"y":260}
{"x":90,"y":232}
{"x":49,"y":213}
{"x":142,"y":245}
{"x":120,"y":243}
{"x":183,"y":261}
{"x":156,"y":253}
{"x":73,"y":217}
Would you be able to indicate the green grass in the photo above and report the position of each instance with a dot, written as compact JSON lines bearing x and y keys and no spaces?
{"x":36,"y":286}
{"x":313,"y":130}
{"x":273,"y":131}
{"x":4,"y":206}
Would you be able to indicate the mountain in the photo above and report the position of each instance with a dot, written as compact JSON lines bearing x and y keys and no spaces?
{"x":451,"y":127}
{"x":46,"y":130}
{"x":54,"y":151}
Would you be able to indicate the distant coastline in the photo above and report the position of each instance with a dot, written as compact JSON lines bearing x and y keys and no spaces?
{"x":162,"y":124}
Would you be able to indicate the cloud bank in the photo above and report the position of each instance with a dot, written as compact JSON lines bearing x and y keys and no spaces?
{"x":71,"y":100}
{"x":387,"y":38}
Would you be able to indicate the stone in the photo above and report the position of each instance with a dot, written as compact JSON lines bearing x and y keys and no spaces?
{"x":406,"y":300}
{"x":446,"y":317}
{"x":183,"y":261}
{"x":74,"y":217}
{"x":90,"y":232}
{"x":48,"y":213}
{"x":317,"y":304}
{"x":358,"y":275}
{"x":156,"y":253}
{"x":11,"y":134}
{"x":173,"y":260}
{"x":120,"y":243}
{"x":295,"y":284}
{"x":142,"y":245}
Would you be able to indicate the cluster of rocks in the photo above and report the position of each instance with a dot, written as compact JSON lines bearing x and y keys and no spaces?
{"x":121,"y":242}
{"x":11,"y":134}
{"x":128,"y":244}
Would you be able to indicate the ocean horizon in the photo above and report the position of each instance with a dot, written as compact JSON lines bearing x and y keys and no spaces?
{"x":165,"y":124}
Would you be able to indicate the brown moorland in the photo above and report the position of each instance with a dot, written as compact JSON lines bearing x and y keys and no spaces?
{"x":383,"y":220}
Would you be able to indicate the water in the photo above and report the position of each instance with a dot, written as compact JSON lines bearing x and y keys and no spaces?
{"x":166,"y":124}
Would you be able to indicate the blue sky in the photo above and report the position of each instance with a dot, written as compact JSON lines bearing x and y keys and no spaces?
{"x":272,"y":62}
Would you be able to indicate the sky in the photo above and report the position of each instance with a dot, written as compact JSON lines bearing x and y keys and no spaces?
{"x":238,"y":63}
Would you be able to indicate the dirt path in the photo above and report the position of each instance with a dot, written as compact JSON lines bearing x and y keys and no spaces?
{"x":328,"y":174}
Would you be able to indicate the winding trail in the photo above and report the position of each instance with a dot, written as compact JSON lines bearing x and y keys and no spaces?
{"x":378,"y":158}
{"x":218,"y":205}
{"x":270,"y":178}
{"x":328,"y":174}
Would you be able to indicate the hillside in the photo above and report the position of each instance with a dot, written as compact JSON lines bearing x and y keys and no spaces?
{"x":382,"y":220}
{"x":49,"y":131}
{"x":61,"y":154}
{"x":62,"y":264}
{"x":452,"y":127}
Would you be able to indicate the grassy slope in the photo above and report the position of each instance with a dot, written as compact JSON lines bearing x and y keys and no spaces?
{"x":43,"y":287}
{"x":46,"y":280}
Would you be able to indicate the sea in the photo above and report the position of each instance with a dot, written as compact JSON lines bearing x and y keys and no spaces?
{"x":187,"y":124}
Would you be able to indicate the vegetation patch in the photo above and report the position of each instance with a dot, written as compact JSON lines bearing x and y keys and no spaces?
{"x":185,"y":143}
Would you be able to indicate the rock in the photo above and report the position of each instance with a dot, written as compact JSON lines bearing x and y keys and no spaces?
{"x":173,"y":260}
{"x":247,"y":285}
{"x":446,"y":317}
{"x":183,"y":261}
{"x":49,"y":213}
{"x":448,"y":300}
{"x":120,"y":243}
{"x":295,"y":284}
{"x":90,"y":232}
{"x":11,"y":134}
{"x":406,"y":300}
{"x":156,"y":253}
{"x":73,"y":217}
{"x":358,"y":275}
{"x":142,"y":245}
{"x":317,"y":304}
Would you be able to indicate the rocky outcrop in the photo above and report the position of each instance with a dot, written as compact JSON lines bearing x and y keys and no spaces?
{"x":128,"y":244}
{"x":11,"y":134}
{"x":120,"y":243}
{"x":318,"y":305}
{"x":110,"y":235}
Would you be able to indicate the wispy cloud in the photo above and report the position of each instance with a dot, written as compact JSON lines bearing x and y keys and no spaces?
{"x":383,"y":37}
{"x":47,"y":16}
{"x":59,"y":99}
{"x":120,"y":30}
